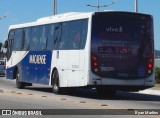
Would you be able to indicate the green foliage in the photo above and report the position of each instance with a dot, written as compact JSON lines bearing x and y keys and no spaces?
{"x":157,"y":73}
{"x":1,"y":52}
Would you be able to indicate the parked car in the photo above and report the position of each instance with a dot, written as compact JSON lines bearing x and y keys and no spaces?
{"x":2,"y":68}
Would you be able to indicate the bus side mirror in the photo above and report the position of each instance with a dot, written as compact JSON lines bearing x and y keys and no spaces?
{"x":6,"y":44}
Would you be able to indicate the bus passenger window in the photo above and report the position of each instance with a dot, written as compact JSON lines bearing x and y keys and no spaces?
{"x":27,"y":38}
{"x":76,"y":40}
{"x":57,"y":35}
{"x":42,"y":37}
{"x":23,"y":40}
{"x":34,"y":38}
{"x":63,"y":44}
{"x":75,"y":34}
{"x":84,"y":31}
{"x":17,"y":40}
{"x":51,"y":35}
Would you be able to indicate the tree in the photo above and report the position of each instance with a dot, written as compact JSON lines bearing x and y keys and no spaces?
{"x":1,"y":44}
{"x":157,"y":73}
{"x":1,"y":52}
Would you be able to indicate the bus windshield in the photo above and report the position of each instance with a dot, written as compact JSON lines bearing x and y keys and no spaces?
{"x":122,"y":43}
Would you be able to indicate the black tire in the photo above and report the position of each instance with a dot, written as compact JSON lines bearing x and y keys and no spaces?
{"x":55,"y":83}
{"x":105,"y":91}
{"x":19,"y":84}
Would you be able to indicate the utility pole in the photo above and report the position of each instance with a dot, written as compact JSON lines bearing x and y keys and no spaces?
{"x":55,"y":7}
{"x":98,"y":6}
{"x":136,"y":5}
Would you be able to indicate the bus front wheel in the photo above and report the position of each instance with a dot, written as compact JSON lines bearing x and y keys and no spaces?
{"x":19,"y":84}
{"x":55,"y":83}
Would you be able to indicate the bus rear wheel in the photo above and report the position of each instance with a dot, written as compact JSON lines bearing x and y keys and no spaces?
{"x":19,"y":84}
{"x":55,"y":83}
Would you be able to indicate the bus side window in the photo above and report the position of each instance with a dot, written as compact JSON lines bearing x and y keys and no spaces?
{"x":11,"y":35}
{"x":43,"y":30}
{"x":62,"y":44}
{"x":23,"y":40}
{"x":84,"y":31}
{"x":51,"y":34}
{"x":17,"y":43}
{"x":10,"y":40}
{"x":27,"y":38}
{"x":34,"y":38}
{"x":10,"y":44}
{"x":57,"y":36}
{"x":74,"y":34}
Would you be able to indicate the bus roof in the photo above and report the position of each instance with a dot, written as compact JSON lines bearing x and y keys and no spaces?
{"x":60,"y":18}
{"x":56,"y":18}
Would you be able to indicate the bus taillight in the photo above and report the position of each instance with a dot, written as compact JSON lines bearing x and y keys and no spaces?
{"x":150,"y":65}
{"x":95,"y":63}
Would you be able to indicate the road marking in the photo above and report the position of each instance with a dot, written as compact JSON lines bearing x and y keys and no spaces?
{"x":19,"y":93}
{"x":63,"y":99}
{"x":82,"y":102}
{"x":104,"y":105}
{"x":30,"y":94}
{"x":1,"y":91}
{"x":13,"y":92}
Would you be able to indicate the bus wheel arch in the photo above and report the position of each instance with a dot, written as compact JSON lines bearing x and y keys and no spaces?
{"x":55,"y":82}
{"x":15,"y":72}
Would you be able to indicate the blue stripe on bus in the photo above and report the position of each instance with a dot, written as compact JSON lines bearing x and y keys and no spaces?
{"x":9,"y":72}
{"x":35,"y":67}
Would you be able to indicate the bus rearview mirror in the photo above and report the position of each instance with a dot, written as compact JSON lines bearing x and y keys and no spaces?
{"x":6,"y":44}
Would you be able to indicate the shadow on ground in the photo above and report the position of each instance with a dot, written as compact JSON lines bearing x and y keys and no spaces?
{"x":92,"y":94}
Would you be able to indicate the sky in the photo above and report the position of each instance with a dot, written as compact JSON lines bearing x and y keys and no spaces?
{"x":23,"y":11}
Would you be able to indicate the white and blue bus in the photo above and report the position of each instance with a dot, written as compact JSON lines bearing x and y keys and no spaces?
{"x":108,"y":51}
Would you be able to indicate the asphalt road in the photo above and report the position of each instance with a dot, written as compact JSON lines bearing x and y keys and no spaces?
{"x":41,"y":97}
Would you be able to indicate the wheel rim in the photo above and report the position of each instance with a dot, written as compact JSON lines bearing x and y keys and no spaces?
{"x":55,"y":82}
{"x":17,"y":79}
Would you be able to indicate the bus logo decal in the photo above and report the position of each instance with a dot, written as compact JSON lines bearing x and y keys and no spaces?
{"x":37,"y":59}
{"x":114,"y":29}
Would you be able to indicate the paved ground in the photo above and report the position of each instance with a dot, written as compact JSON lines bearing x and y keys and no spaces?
{"x":151,"y":91}
{"x":42,"y":98}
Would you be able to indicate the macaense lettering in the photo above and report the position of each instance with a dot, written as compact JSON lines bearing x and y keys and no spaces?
{"x":37,"y":59}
